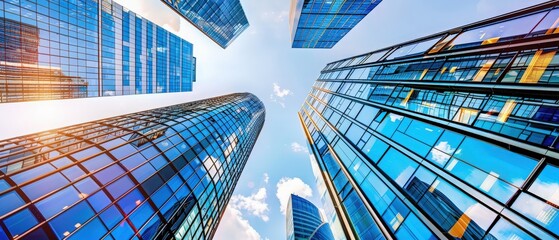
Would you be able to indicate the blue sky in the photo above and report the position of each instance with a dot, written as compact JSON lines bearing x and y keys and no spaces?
{"x":261,"y":61}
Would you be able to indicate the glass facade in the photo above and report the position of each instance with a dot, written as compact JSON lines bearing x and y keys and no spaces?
{"x":304,"y":221}
{"x":453,"y":135}
{"x":322,"y":23}
{"x":86,"y":48}
{"x":166,"y":173}
{"x":221,"y":20}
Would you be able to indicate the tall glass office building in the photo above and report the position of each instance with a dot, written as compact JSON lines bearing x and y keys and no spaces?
{"x":221,"y":20}
{"x":322,"y":23}
{"x":304,"y":221}
{"x":451,"y":136}
{"x":166,"y":173}
{"x":86,"y":48}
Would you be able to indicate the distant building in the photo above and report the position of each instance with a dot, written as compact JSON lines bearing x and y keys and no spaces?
{"x":451,"y":136}
{"x":221,"y":20}
{"x":166,"y":173}
{"x":304,"y":221}
{"x":322,"y":23}
{"x":87,"y":48}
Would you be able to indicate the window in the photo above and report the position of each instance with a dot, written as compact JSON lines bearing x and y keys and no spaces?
{"x":549,"y":25}
{"x":456,"y":212}
{"x":506,"y":230}
{"x":413,"y":48}
{"x":397,"y":166}
{"x":543,"y":213}
{"x":375,"y":56}
{"x":465,"y":115}
{"x":499,"y":32}
{"x":20,"y":222}
{"x":546,"y":184}
{"x":509,"y":166}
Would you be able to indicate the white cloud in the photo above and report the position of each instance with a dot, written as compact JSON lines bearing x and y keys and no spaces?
{"x":279,"y":92}
{"x":266,"y":178}
{"x":274,"y":16}
{"x":234,"y":226}
{"x":287,"y":186}
{"x":278,"y":95}
{"x":254,"y":204}
{"x":296,"y":147}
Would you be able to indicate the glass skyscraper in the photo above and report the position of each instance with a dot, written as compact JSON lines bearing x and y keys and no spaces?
{"x":86,"y":48}
{"x":304,"y":221}
{"x":221,"y":20}
{"x":166,"y":173}
{"x":450,"y":136}
{"x":322,"y":23}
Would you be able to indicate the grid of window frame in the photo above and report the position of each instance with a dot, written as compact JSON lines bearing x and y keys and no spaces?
{"x":457,"y":141}
{"x":321,"y":24}
{"x":86,"y":48}
{"x":163,"y":173}
{"x":221,"y":21}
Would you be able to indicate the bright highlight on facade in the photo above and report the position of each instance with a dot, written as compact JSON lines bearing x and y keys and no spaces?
{"x":87,"y":48}
{"x":453,"y":135}
{"x":166,"y":173}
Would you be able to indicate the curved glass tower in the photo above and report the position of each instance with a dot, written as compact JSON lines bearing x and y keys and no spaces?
{"x":304,"y":221}
{"x":166,"y":173}
{"x":451,"y":136}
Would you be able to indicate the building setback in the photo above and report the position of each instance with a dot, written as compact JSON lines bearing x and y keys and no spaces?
{"x":87,"y":48}
{"x":166,"y":173}
{"x":322,"y":23}
{"x":451,"y":136}
{"x":221,"y":20}
{"x":304,"y":221}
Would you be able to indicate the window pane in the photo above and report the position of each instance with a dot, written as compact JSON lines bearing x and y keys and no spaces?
{"x":458,"y":214}
{"x":499,"y":32}
{"x":505,"y":230}
{"x":541,"y":212}
{"x":547,"y":184}
{"x":413,"y":48}
{"x":20,"y":222}
{"x":511,"y":167}
{"x":398,"y":166}
{"x":10,"y":201}
{"x":58,"y":202}
{"x":43,"y":186}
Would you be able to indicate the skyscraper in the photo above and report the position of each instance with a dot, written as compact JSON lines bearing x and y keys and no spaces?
{"x":322,"y":23}
{"x":453,"y":135}
{"x":221,"y":20}
{"x":86,"y":48}
{"x":158,"y":174}
{"x":304,"y":221}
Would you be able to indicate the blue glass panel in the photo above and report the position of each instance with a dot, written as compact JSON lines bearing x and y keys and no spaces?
{"x":59,"y":201}
{"x":546,"y":184}
{"x":46,"y":184}
{"x":540,"y":212}
{"x":122,"y":231}
{"x":131,"y":200}
{"x":111,"y":216}
{"x":65,"y":223}
{"x":92,"y":230}
{"x":503,"y":229}
{"x":509,"y":166}
{"x":398,"y":166}
{"x":20,"y":222}
{"x":10,"y":201}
